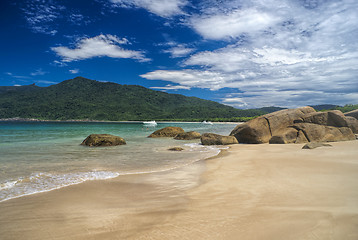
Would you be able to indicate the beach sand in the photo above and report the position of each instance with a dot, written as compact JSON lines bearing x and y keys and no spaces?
{"x":247,"y":192}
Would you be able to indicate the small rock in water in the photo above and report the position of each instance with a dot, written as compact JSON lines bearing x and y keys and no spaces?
{"x":99,"y":140}
{"x":313,"y":145}
{"x":167,"y":132}
{"x":188,"y":135}
{"x":176,"y":149}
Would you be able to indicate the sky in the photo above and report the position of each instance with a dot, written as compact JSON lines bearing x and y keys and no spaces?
{"x":242,"y":53}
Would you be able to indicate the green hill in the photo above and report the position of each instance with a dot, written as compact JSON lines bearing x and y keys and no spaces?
{"x":8,"y":89}
{"x":81,"y":98}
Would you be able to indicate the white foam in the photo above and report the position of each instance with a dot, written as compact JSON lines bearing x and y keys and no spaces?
{"x":44,"y":182}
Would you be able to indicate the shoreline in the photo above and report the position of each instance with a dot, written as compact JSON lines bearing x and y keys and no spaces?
{"x":96,"y":121}
{"x":115,"y":175}
{"x":246,"y":192}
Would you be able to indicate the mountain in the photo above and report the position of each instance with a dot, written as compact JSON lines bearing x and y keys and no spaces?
{"x":266,"y":110}
{"x":324,"y":107}
{"x":7,"y":89}
{"x":82,"y":98}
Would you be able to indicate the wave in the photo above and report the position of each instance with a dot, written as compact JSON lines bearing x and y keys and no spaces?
{"x":44,"y":182}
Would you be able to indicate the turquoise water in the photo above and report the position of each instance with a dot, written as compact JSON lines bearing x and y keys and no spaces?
{"x":43,"y":156}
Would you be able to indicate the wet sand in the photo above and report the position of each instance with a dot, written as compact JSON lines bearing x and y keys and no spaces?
{"x":248,"y":192}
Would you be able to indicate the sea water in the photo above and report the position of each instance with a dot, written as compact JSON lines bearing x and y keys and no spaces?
{"x":43,"y":156}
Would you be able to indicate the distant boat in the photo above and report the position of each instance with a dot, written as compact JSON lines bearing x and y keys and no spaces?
{"x":208,"y":123}
{"x":150,"y":123}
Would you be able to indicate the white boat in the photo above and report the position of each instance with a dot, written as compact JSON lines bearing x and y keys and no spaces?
{"x":208,"y":123}
{"x":150,"y":123}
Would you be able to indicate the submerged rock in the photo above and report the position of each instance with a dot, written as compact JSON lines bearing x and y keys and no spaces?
{"x":314,"y":145}
{"x":216,"y":139}
{"x":177,"y":149}
{"x":166,"y":132}
{"x":99,"y":140}
{"x":188,"y":135}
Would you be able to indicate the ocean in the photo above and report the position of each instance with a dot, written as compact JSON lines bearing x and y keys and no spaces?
{"x":43,"y":156}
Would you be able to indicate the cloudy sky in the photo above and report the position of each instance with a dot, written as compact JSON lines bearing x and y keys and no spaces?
{"x":243,"y":53}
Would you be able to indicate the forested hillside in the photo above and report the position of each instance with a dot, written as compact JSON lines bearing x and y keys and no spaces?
{"x":81,"y":98}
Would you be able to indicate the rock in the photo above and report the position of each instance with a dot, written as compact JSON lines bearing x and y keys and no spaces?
{"x":288,"y":135}
{"x":254,"y":131}
{"x":333,"y":118}
{"x":167,"y":132}
{"x":261,"y":129}
{"x":98,"y":140}
{"x":353,"y":113}
{"x":352,"y":123}
{"x":216,"y":139}
{"x":188,"y":135}
{"x":321,"y":133}
{"x":301,"y":137}
{"x":314,"y":145}
{"x":177,"y":149}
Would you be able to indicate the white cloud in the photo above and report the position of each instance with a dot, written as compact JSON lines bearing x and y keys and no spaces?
{"x":172,"y":87}
{"x":190,"y":78}
{"x":41,"y":15}
{"x":180,"y":50}
{"x":162,"y":8}
{"x":38,"y":72}
{"x":99,"y":46}
{"x":233,"y":24}
{"x":74,"y":71}
{"x":305,"y":54}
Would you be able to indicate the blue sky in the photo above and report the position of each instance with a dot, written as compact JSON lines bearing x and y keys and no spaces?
{"x":242,"y":53}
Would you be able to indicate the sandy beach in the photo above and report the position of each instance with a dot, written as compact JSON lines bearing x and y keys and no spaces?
{"x":247,"y":192}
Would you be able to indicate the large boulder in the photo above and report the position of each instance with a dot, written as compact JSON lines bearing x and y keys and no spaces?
{"x":287,"y":135}
{"x":353,"y":113}
{"x":216,"y":139}
{"x":261,"y":129}
{"x":321,"y":133}
{"x":333,"y":118}
{"x":100,"y":140}
{"x":188,"y":135}
{"x":166,"y":132}
{"x":352,"y":123}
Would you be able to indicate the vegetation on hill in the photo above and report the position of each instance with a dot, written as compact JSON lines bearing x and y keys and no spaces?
{"x":85,"y":99}
{"x":324,"y":107}
{"x":271,"y":109}
{"x":345,"y":108}
{"x":81,"y":98}
{"x":8,"y":89}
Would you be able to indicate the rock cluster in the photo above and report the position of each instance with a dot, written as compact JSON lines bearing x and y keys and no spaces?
{"x":299,"y":125}
{"x":99,"y":140}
